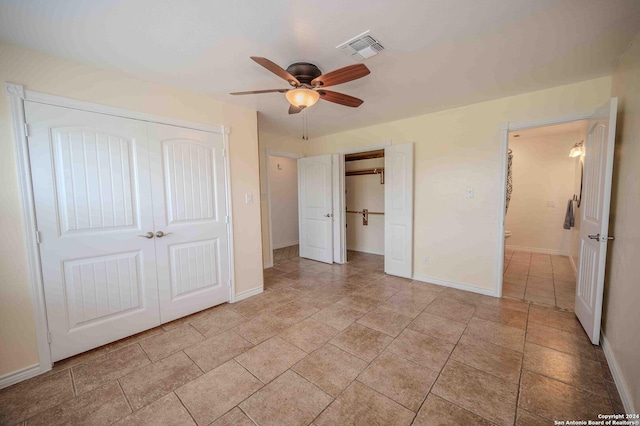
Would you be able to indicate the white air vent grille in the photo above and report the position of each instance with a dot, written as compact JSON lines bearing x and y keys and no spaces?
{"x":361,"y":47}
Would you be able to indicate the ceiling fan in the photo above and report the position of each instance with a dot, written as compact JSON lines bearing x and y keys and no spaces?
{"x":308,"y":83}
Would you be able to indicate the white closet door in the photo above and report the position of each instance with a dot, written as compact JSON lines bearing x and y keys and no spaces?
{"x":398,"y":210}
{"x":315,"y":201}
{"x":92,"y":191}
{"x":594,"y":228}
{"x":188,"y":181}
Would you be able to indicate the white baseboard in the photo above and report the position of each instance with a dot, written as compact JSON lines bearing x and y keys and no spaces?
{"x":283,"y":245}
{"x":247,"y":293}
{"x":621,"y":383}
{"x":459,"y":286}
{"x":268,"y":265}
{"x":20,"y":375}
{"x":365,"y":251}
{"x":538,"y":250}
{"x":573,"y":266}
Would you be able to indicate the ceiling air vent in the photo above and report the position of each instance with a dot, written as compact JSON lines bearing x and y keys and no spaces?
{"x":361,"y":47}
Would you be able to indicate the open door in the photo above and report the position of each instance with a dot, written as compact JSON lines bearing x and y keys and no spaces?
{"x":595,"y":218}
{"x":315,"y":201}
{"x":398,"y":210}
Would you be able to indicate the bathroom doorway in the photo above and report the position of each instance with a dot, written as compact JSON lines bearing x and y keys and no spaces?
{"x":542,"y":222}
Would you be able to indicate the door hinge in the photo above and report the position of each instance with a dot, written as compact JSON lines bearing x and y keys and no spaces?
{"x":38,"y":237}
{"x":224,"y":152}
{"x":226,"y":219}
{"x":49,"y":336}
{"x":26,"y":129}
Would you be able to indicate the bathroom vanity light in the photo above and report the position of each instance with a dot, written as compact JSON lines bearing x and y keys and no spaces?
{"x":577,"y":150}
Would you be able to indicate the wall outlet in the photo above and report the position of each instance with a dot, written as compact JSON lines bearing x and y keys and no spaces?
{"x":469,"y":192}
{"x":426,"y":260}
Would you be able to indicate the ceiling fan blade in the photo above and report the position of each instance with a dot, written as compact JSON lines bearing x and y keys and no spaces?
{"x":276,"y":69}
{"x":294,"y":109}
{"x":342,"y":75}
{"x":340,"y":98}
{"x":255,"y":92}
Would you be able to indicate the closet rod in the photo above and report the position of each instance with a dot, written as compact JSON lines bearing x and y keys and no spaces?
{"x":361,"y":212}
{"x":365,"y":172}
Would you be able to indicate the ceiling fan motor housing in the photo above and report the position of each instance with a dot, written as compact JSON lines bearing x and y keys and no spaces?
{"x":304,"y":72}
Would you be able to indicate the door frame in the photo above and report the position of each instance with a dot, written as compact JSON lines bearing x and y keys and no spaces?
{"x":17,"y":95}
{"x":269,"y":153}
{"x":505,"y":128}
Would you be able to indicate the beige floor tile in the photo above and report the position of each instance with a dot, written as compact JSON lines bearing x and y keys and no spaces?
{"x":506,"y":303}
{"x":437,"y":411}
{"x":217,"y":321}
{"x":101,"y":406}
{"x":323,"y":298}
{"x":106,"y":368}
{"x":190,"y":318}
{"x":422,"y":349}
{"x":497,"y":360}
{"x":261,"y":328}
{"x":217,"y":350}
{"x":218,"y":391}
{"x":564,"y":341}
{"x":270,"y":358}
{"x":359,"y":303}
{"x":288,"y":400}
{"x":556,"y":319}
{"x":309,"y":334}
{"x":405,"y":382}
{"x":294,"y":311}
{"x":338,"y":316}
{"x":386,"y":321}
{"x":83,"y":357}
{"x":410,"y":302}
{"x":362,"y":342}
{"x":541,"y":300}
{"x":30,"y":397}
{"x":330,"y":368}
{"x":502,"y":315}
{"x":377,"y":290}
{"x":525,"y":418}
{"x":170,"y":342}
{"x":519,"y":280}
{"x":234,"y":417}
{"x":462,"y":296}
{"x":167,"y":411}
{"x":133,"y":339}
{"x":359,"y":405}
{"x":156,"y":380}
{"x":481,"y":393}
{"x":451,"y":309}
{"x":274,"y":283}
{"x":439,"y":327}
{"x":496,"y":333}
{"x":555,"y":400}
{"x":579,"y":372}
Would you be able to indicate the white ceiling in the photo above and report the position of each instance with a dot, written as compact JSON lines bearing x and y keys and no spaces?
{"x":439,"y":53}
{"x":578,"y":128}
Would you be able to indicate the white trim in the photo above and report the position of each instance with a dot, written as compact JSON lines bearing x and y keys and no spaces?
{"x":119,"y":112}
{"x":339,"y":212}
{"x":366,"y":251}
{"x":248,"y":293}
{"x":538,"y":250}
{"x":365,"y":148}
{"x":573,"y":266}
{"x":230,"y":243}
{"x":618,"y":378}
{"x":269,"y":153}
{"x":457,"y":285}
{"x":287,"y":244}
{"x":522,"y":125}
{"x":15,"y":93}
{"x":17,"y":96}
{"x":20,"y":375}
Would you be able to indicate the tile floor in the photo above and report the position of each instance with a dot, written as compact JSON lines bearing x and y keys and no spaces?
{"x":286,"y":253}
{"x":542,"y":279}
{"x":334,"y":345}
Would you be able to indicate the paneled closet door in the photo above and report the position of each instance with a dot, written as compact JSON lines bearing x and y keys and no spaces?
{"x":91,"y":186}
{"x":189,"y":207}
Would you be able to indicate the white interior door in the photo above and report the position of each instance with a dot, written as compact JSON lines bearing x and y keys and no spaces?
{"x":398,"y":210}
{"x":594,"y":229}
{"x":190,"y":216}
{"x":315,"y":201}
{"x":92,"y":190}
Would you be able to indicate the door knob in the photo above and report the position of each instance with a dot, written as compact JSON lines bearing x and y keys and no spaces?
{"x":327,"y":215}
{"x":161,"y":234}
{"x":148,"y":235}
{"x":597,"y":237}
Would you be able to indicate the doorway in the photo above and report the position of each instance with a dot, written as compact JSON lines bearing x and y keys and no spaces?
{"x":542,"y":222}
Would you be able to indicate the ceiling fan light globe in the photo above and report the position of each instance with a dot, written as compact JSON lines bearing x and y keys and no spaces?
{"x":302,"y":98}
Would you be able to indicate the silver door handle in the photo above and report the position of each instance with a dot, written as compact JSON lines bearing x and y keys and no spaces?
{"x":597,"y":237}
{"x":161,"y":234}
{"x":148,"y":235}
{"x":328,"y":215}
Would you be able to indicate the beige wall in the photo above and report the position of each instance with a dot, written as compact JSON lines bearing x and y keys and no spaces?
{"x":283,"y":186}
{"x":454,"y":150}
{"x":543,"y":174}
{"x":365,"y":192}
{"x":47,"y":74}
{"x":622,"y":289}
{"x":283,"y":144}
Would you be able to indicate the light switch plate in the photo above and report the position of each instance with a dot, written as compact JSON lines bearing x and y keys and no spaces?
{"x":469,"y":192}
{"x":248,"y":197}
